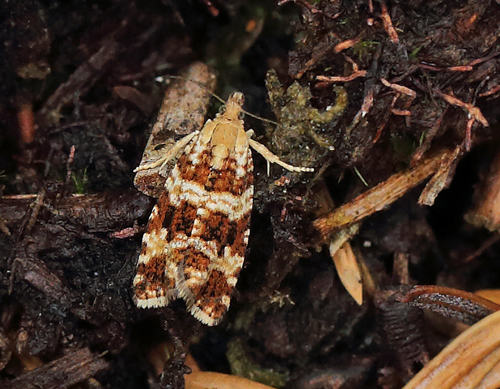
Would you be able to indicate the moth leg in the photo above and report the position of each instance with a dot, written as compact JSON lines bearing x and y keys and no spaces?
{"x":170,"y":154}
{"x":273,"y":158}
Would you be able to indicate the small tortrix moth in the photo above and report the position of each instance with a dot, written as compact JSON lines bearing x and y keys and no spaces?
{"x":195,"y":244}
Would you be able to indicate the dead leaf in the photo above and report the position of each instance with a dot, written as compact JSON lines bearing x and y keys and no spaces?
{"x":348,"y":270}
{"x":210,"y":380}
{"x":471,"y":361}
{"x":490,"y":294}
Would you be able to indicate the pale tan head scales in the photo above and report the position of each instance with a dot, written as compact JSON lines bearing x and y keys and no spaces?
{"x":234,"y":106}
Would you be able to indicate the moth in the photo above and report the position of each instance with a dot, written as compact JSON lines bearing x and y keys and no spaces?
{"x":195,"y":243}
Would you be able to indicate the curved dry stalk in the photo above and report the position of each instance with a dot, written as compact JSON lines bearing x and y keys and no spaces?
{"x":210,"y":380}
{"x":471,"y":361}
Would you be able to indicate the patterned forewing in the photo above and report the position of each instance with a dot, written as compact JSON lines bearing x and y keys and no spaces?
{"x":213,"y":251}
{"x":154,"y":283}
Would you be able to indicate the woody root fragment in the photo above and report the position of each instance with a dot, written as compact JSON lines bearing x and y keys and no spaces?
{"x":440,"y":166}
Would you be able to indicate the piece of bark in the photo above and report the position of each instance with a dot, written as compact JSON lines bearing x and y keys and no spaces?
{"x":61,"y":373}
{"x":83,"y":78}
{"x":103,"y":212}
{"x":442,"y":178}
{"x":403,"y":329}
{"x":32,"y":270}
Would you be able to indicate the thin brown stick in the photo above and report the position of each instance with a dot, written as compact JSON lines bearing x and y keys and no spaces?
{"x":490,"y":92}
{"x":346,"y":44}
{"x":386,"y":20}
{"x":64,"y":372}
{"x":332,"y":79}
{"x":472,"y":110}
{"x":380,"y":196}
{"x":463,"y":68}
{"x":385,"y":118}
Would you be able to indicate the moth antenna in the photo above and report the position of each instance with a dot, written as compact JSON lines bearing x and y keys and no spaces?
{"x":221,"y":100}
{"x":259,"y":118}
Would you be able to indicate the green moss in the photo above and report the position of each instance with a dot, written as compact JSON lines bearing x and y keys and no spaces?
{"x":243,"y":366}
{"x":296,"y":116}
{"x":363,"y":49}
{"x":414,"y":53}
{"x":80,"y":181}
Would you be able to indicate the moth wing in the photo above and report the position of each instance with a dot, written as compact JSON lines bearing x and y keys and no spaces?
{"x":215,"y":252}
{"x":154,"y":282}
{"x":212,"y":299}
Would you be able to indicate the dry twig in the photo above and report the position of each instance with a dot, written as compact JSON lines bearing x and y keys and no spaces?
{"x":386,"y":19}
{"x":380,"y":196}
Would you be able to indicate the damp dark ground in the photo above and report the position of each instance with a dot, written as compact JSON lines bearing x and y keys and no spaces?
{"x":81,"y":83}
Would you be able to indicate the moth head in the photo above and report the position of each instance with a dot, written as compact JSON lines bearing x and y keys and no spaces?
{"x":236,"y":98}
{"x":234,"y":106}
